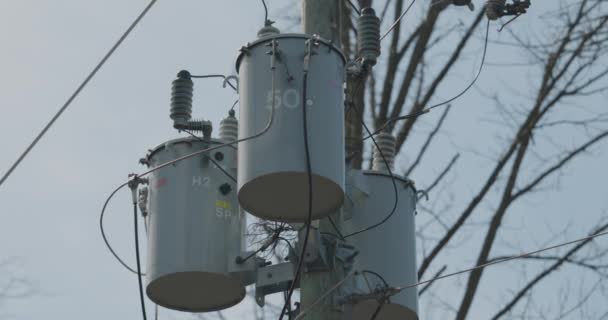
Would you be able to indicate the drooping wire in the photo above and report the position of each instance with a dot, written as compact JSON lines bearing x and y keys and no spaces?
{"x":103,"y":233}
{"x":428,"y":109}
{"x":354,"y":7}
{"x":483,"y":60}
{"x":393,"y":180}
{"x":77,"y":92}
{"x":292,"y":287}
{"x":394,"y":25}
{"x":377,"y":275}
{"x":137,"y":258}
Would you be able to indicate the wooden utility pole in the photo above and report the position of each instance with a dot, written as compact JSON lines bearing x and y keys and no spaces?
{"x":324,"y":18}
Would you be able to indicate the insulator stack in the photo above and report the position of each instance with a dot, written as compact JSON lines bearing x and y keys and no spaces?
{"x":181,"y":99}
{"x":386,"y":142}
{"x":495,"y":8}
{"x":229,"y":128}
{"x":368,"y":36}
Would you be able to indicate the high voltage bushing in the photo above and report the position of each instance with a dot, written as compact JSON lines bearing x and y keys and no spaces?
{"x":368,"y":37}
{"x":181,"y":99}
{"x":386,"y":142}
{"x":195,"y":229}
{"x":181,"y":105}
{"x":389,"y":250}
{"x":229,"y":128}
{"x":273,"y":181}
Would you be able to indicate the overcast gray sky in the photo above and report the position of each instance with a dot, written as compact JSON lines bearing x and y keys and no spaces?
{"x":49,"y":207}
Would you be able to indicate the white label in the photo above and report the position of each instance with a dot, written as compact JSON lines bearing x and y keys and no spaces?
{"x":289,"y":99}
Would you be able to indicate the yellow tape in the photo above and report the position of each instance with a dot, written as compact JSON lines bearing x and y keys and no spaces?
{"x":222,"y":204}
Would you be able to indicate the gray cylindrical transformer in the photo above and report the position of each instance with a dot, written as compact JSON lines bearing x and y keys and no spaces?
{"x":273,"y":182}
{"x":195,"y":229}
{"x":388,"y":250}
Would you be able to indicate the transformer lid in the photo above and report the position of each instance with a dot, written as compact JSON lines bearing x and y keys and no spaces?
{"x":185,"y":140}
{"x":287,"y":36}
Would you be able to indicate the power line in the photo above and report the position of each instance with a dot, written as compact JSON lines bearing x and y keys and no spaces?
{"x":265,"y":12}
{"x":394,"y":25}
{"x":103,"y":233}
{"x":78,"y":90}
{"x":354,"y":7}
{"x":292,"y":286}
{"x":137,"y":258}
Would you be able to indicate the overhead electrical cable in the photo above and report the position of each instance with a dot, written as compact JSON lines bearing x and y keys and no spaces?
{"x":396,"y":290}
{"x":428,"y":109}
{"x":78,"y":90}
{"x":354,"y":7}
{"x":137,"y":258}
{"x":300,"y":262}
{"x":265,"y":12}
{"x":103,"y":233}
{"x":394,"y":25}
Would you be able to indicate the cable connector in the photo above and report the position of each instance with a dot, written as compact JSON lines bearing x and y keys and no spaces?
{"x":134,"y":182}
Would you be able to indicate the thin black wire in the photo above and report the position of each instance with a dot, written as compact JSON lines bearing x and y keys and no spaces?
{"x":393,"y":180}
{"x":292,"y":287}
{"x":103,"y":233}
{"x":394,"y":25}
{"x":378,"y":309}
{"x":483,"y":60}
{"x":354,"y":7}
{"x":137,"y":258}
{"x":78,"y":90}
{"x":426,"y":110}
{"x":234,"y":105}
{"x":265,"y":12}
{"x":377,"y":275}
{"x":333,"y":224}
{"x":231,"y":177}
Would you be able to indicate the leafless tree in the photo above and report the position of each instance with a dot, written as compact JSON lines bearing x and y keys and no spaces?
{"x":570,"y":57}
{"x":566,"y":70}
